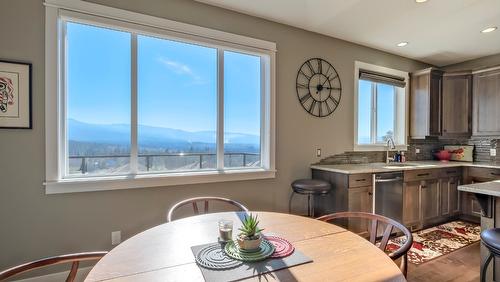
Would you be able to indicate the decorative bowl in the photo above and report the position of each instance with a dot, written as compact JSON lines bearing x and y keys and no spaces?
{"x":443,"y":155}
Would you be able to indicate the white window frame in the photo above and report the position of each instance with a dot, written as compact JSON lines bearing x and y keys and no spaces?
{"x":402,"y":116}
{"x":55,"y":128}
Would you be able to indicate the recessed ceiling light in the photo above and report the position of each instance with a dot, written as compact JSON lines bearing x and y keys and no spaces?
{"x":489,"y":29}
{"x":402,"y":44}
{"x":420,"y":1}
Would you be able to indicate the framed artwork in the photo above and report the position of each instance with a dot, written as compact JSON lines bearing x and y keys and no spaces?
{"x":15,"y":95}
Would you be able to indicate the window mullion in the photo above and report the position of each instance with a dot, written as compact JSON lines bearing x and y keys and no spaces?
{"x":133,"y":103}
{"x":220,"y":109}
{"x":373,"y":133}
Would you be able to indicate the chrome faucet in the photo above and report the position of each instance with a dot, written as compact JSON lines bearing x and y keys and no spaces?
{"x":390,"y":145}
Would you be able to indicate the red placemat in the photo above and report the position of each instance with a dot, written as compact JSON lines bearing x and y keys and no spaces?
{"x":282,"y":247}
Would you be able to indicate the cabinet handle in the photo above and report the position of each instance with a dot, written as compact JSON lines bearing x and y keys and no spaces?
{"x":422,"y":174}
{"x":423,"y":186}
{"x":370,"y":193}
{"x":452,"y":183}
{"x":361,"y":179}
{"x":451,"y":171}
{"x":495,"y":173}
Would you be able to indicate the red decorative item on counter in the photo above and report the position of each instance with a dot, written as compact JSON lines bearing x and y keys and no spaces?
{"x":443,"y":155}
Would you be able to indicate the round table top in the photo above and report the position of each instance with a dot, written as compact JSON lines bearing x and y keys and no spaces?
{"x":163,"y":253}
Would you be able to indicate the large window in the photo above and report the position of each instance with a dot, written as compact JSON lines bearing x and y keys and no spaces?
{"x":136,"y":100}
{"x":381,"y":107}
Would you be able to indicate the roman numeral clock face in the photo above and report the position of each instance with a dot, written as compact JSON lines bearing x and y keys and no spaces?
{"x":318,"y":87}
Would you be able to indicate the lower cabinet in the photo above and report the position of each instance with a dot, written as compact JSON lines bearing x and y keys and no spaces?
{"x":430,"y":206}
{"x":450,"y":198}
{"x":411,"y":204}
{"x":360,"y":199}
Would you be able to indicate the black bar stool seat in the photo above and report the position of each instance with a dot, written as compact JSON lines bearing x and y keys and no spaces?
{"x":491,"y":240}
{"x":310,"y":188}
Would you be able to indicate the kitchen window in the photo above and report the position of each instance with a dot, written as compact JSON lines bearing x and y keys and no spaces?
{"x":150,"y":106}
{"x":380,"y":107}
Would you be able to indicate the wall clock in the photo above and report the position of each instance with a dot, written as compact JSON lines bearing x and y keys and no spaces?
{"x":318,"y":87}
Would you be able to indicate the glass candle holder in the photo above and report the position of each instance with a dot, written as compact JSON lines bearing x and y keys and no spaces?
{"x":225,"y":230}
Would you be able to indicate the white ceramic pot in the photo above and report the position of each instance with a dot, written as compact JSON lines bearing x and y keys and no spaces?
{"x":248,"y":245}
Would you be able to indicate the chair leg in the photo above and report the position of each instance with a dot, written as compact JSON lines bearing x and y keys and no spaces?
{"x":290,"y":203}
{"x":404,"y":265}
{"x":485,"y":266}
{"x":308,"y":205}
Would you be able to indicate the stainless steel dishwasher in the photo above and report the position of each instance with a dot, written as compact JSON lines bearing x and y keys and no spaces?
{"x":388,"y":195}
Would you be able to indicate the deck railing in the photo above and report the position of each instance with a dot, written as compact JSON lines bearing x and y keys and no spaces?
{"x":149,"y":158}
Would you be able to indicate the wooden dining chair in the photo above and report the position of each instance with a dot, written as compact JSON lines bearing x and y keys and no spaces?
{"x":75,"y":260}
{"x":194,"y":202}
{"x":390,"y":225}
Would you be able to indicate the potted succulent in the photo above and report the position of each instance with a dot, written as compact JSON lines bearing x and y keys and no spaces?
{"x":250,"y":236}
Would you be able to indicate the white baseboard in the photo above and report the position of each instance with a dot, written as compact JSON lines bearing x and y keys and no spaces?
{"x":59,"y":276}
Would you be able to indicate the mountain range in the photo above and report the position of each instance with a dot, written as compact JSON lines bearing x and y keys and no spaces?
{"x":150,"y":136}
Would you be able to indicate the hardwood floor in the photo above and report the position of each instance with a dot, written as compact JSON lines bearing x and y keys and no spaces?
{"x":461,"y":265}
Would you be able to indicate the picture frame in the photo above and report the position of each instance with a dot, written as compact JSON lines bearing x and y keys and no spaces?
{"x":15,"y":95}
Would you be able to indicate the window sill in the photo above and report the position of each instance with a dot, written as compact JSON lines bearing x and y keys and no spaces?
{"x":361,"y":148}
{"x":88,"y":184}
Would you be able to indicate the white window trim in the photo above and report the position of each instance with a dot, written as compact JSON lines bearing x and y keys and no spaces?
{"x":54,"y":101}
{"x":378,"y":147}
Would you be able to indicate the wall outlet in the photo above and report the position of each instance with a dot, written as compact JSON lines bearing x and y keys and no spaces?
{"x":318,"y":152}
{"x":116,"y":237}
{"x":417,"y":150}
{"x":493,"y":152}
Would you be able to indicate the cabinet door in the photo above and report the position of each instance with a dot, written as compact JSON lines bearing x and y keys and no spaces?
{"x":430,"y":200}
{"x":486,"y":95}
{"x":360,"y":199}
{"x":456,"y":101}
{"x":425,"y":104}
{"x":411,"y":203}
{"x":449,"y":196}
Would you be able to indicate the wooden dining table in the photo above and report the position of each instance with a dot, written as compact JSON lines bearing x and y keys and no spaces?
{"x":163,"y":253}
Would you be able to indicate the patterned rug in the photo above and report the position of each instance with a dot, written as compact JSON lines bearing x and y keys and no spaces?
{"x":434,"y":242}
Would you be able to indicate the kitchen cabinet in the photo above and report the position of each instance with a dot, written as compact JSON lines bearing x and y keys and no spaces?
{"x":486,"y":103}
{"x":360,"y":199}
{"x":425,"y":103}
{"x":450,"y":197}
{"x":411,"y":204}
{"x":430,"y":203}
{"x":456,"y":118}
{"x":470,"y":207}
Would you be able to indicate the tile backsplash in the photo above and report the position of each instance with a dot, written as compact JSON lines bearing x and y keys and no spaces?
{"x":427,"y":148}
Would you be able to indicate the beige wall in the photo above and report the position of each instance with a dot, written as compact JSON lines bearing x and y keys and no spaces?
{"x":34,"y":225}
{"x":483,"y":62}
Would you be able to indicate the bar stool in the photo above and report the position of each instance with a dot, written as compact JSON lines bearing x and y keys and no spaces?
{"x":310,"y":188}
{"x":491,"y":240}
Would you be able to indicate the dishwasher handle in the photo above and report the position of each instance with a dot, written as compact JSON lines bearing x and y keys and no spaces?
{"x":396,"y":179}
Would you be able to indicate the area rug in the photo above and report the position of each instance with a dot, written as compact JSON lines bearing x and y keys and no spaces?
{"x":431,"y":243}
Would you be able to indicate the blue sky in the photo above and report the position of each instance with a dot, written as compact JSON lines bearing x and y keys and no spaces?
{"x":385,"y":110}
{"x":177,"y":82}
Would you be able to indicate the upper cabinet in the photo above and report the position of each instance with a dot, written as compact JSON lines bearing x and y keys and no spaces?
{"x":456,"y":118}
{"x":425,"y":103}
{"x":440,"y":104}
{"x":486,"y":101}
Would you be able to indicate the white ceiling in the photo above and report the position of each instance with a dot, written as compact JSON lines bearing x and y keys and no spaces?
{"x":439,"y":32}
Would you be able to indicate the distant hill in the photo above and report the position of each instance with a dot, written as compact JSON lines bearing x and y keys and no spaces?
{"x":153,"y":137}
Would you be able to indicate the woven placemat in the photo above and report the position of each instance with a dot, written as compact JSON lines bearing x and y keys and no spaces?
{"x":214,"y":257}
{"x":251,"y":269}
{"x":282,"y":248}
{"x":265,"y":250}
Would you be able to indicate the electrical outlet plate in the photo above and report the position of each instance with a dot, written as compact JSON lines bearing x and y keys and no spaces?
{"x":493,"y":152}
{"x":318,"y":152}
{"x":417,"y":150}
{"x":116,"y":237}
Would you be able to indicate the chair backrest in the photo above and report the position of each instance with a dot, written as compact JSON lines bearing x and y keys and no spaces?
{"x":194,"y":202}
{"x":390,"y":224}
{"x":75,"y":259}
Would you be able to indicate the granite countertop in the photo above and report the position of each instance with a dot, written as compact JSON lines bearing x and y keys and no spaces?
{"x":491,"y":188}
{"x":411,"y":165}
